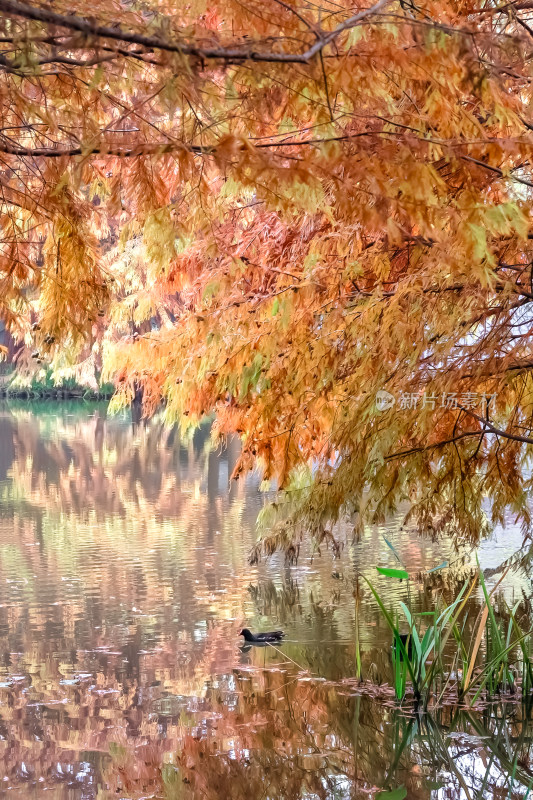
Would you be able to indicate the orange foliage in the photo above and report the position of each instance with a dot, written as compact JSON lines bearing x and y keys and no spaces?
{"x":315,"y":204}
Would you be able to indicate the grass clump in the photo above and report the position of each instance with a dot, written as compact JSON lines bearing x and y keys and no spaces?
{"x":441,"y":654}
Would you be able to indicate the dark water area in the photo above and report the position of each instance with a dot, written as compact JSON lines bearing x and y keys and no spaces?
{"x":124,"y":583}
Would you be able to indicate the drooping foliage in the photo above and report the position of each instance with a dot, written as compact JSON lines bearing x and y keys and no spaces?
{"x":284,"y":212}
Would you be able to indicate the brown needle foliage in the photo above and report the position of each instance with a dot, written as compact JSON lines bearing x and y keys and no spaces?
{"x":316,"y":203}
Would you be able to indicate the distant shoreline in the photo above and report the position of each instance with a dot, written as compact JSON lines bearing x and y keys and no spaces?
{"x":53,"y":394}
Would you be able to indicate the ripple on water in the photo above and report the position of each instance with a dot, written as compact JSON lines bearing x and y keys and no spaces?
{"x":124,"y":582}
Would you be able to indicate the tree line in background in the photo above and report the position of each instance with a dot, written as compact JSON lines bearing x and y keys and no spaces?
{"x":311,"y":218}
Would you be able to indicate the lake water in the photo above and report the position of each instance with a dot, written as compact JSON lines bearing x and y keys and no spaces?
{"x":124,"y":583}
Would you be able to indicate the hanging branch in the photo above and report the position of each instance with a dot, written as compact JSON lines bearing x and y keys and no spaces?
{"x":73,"y":22}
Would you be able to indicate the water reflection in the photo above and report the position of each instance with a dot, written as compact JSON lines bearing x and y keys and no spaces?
{"x":271,"y":737}
{"x":124,"y":581}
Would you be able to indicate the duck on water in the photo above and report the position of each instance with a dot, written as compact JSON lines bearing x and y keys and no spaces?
{"x":261,"y":638}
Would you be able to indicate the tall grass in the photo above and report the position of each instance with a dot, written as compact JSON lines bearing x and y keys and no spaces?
{"x":410,"y":658}
{"x":441,"y":654}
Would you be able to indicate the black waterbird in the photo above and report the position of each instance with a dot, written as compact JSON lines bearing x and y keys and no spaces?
{"x":262,"y":638}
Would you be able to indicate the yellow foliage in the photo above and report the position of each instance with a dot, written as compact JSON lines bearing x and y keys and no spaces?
{"x":279,"y":215}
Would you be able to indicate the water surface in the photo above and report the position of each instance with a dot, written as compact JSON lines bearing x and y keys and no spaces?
{"x":124,"y":581}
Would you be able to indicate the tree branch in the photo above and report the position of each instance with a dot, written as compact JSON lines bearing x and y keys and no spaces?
{"x":12,"y":67}
{"x":487,"y":426}
{"x":113,"y":150}
{"x":496,"y":170}
{"x":6,"y":146}
{"x":73,"y":22}
{"x":492,"y":428}
{"x":423,"y":447}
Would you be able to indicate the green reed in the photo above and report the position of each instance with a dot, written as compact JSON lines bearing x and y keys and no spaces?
{"x":441,"y":654}
{"x":411,"y":657}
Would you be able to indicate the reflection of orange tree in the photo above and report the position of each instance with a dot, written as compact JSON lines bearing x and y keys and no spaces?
{"x":110,"y":535}
{"x":250,"y":735}
{"x":94,"y":463}
{"x":116,"y":498}
{"x":54,"y":719}
{"x":267,"y":736}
